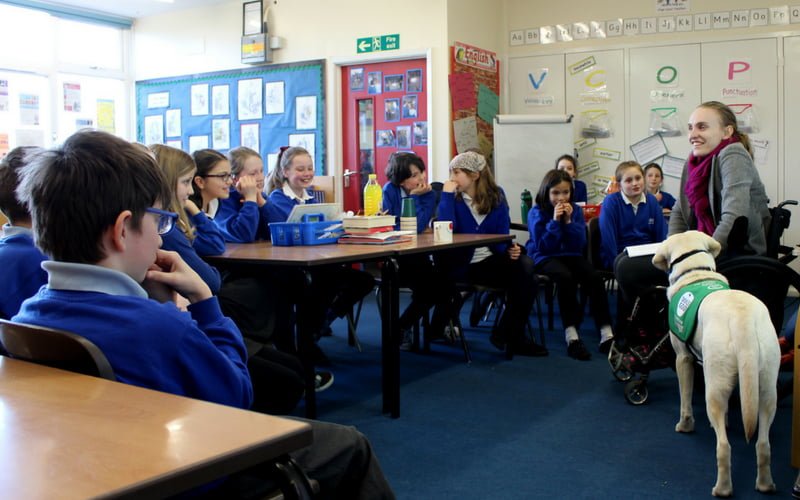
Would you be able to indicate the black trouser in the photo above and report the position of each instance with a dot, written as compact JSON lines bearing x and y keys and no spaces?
{"x":634,"y":275}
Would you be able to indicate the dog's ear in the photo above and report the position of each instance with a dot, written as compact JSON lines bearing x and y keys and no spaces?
{"x":660,"y":258}
{"x":714,"y":247}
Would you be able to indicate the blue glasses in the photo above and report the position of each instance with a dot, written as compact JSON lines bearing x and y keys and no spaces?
{"x":165,"y":219}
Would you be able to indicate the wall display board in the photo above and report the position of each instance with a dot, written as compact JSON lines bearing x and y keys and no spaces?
{"x":263,"y":108}
{"x":595,"y":95}
{"x":538,"y":85}
{"x":526,"y":147}
{"x":475,"y":93}
{"x":791,"y":179}
{"x":664,"y":88}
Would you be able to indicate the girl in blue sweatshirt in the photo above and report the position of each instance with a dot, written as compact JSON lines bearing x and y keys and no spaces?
{"x":558,"y":239}
{"x":569,"y":164}
{"x":475,"y":204}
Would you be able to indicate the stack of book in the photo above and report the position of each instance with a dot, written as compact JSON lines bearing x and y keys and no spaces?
{"x":372,"y":230}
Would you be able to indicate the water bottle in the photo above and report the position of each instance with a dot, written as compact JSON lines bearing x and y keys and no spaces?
{"x":527,"y":202}
{"x":408,"y":215}
{"x":373,"y":196}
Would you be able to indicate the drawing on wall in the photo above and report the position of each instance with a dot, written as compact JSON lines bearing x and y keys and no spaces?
{"x":173,"y":122}
{"x":305,"y":112}
{"x":197,"y":142}
{"x":220,"y":100}
{"x":305,"y":141}
{"x":356,"y":78}
{"x":404,"y":136}
{"x":249,"y":136}
{"x":154,"y":129}
{"x":374,"y":82}
{"x":273,"y":98}
{"x":199,"y":95}
{"x":221,"y":133}
{"x":409,"y":106}
{"x":249,"y":102}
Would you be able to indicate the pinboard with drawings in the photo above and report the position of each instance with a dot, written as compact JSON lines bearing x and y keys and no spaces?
{"x":525,"y":148}
{"x":263,"y":108}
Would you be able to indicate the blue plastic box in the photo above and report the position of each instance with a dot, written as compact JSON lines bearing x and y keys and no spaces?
{"x":314,"y":230}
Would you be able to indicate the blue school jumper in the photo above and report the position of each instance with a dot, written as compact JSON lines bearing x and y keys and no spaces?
{"x":551,"y":238}
{"x":282,"y":204}
{"x":21,"y":273}
{"x":242,"y":221}
{"x":667,"y":200}
{"x":176,"y":241}
{"x":580,"y":193}
{"x":620,"y":227}
{"x":425,"y":205}
{"x":497,"y":221}
{"x":199,"y":354}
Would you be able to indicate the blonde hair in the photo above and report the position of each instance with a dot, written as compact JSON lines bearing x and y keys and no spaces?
{"x":238,"y":156}
{"x":277,"y":177}
{"x":625,"y":165}
{"x":728,"y":118}
{"x":175,"y":163}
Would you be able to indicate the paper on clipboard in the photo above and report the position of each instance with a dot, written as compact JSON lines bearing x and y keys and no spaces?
{"x":330,"y":211}
{"x":672,"y":166}
{"x":649,"y":149}
{"x":640,"y":250}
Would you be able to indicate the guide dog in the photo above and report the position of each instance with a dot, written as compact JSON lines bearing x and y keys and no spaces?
{"x":734,"y":337}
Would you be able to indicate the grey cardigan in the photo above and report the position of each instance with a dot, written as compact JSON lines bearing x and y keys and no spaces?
{"x":734,"y":189}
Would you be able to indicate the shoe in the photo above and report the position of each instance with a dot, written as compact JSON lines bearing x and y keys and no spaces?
{"x":322,"y":381}
{"x":529,"y":348}
{"x":452,"y":334}
{"x":605,"y":346}
{"x":406,"y":340}
{"x":577,"y":350}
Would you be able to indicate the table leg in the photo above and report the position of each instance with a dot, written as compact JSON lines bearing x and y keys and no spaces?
{"x":390,"y":347}
{"x":305,"y":344}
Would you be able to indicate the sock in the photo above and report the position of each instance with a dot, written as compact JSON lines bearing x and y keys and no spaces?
{"x":606,"y":333}
{"x":571,"y":334}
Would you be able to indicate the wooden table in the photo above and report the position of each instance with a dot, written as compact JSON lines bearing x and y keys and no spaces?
{"x":306,"y":257}
{"x":65,"y":435}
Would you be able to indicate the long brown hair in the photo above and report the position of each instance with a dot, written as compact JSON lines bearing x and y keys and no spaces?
{"x":728,"y":118}
{"x":487,"y":193}
{"x":278,"y":176}
{"x":175,"y":163}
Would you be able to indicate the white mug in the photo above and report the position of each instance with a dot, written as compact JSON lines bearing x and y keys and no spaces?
{"x":443,"y":231}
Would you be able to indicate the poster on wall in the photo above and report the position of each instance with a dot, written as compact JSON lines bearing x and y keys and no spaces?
{"x":274,"y":98}
{"x":28,"y":109}
{"x":199,"y":99}
{"x":249,"y":101}
{"x":220,"y":100}
{"x":3,"y":95}
{"x":106,"y":115}
{"x":72,"y":97}
{"x":306,"y":112}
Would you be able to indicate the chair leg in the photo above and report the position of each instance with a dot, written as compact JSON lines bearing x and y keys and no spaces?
{"x":456,"y":323}
{"x":538,"y":306}
{"x":352,"y":323}
{"x":550,"y":292}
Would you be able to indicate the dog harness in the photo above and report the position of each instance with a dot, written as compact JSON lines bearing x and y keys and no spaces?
{"x":684,"y":305}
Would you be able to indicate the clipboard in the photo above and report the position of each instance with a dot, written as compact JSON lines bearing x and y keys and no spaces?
{"x":330,"y":211}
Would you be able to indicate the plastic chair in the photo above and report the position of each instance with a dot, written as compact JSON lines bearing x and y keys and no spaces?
{"x":55,"y":348}
{"x":593,"y":227}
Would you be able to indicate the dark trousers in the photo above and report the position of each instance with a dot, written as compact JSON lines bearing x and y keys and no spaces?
{"x":567,"y":272}
{"x":634,"y":275}
{"x":427,"y":285}
{"x":277,"y":378}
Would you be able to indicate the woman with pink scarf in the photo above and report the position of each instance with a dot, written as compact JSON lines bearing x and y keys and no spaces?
{"x":721,"y":192}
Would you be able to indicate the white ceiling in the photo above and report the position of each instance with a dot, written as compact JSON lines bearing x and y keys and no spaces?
{"x":135,"y":8}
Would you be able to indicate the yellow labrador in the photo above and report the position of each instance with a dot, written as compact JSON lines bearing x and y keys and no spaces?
{"x":735,"y":338}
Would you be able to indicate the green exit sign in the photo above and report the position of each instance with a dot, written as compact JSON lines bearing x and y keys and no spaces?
{"x":377,"y":43}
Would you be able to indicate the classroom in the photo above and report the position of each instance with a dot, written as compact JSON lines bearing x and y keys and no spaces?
{"x":355,"y":83}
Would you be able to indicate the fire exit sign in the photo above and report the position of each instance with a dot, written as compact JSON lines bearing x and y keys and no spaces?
{"x":377,"y":43}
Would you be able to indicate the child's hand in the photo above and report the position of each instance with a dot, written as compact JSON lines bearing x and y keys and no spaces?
{"x":514,"y":251}
{"x":567,"y":212}
{"x":422,"y":188}
{"x":190,"y":207}
{"x":170,"y":272}
{"x":260,"y":200}
{"x":450,"y":186}
{"x":247,"y":187}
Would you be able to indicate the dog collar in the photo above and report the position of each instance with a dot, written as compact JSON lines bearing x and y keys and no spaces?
{"x":685,"y":256}
{"x":703,"y":268}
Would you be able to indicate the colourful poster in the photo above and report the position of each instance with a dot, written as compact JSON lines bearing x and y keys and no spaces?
{"x":72,"y":97}
{"x":3,"y":95}
{"x":106,"y":115}
{"x":3,"y":145}
{"x":28,"y":109}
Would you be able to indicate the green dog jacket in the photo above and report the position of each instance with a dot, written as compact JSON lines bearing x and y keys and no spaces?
{"x":684,"y":306}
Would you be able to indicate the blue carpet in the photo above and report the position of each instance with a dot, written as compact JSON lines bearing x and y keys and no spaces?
{"x":547,"y":427}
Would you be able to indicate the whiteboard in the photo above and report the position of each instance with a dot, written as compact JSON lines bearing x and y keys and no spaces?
{"x":525,"y":148}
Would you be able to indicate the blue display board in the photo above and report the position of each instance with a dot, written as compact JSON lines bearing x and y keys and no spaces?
{"x":263,"y":108}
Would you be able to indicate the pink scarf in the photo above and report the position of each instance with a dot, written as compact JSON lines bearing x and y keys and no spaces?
{"x":699,"y":169}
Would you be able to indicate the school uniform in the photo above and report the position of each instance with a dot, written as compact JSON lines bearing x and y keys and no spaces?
{"x":425,"y":204}
{"x":208,"y":240}
{"x":667,"y":200}
{"x":579,"y":192}
{"x":21,"y":273}
{"x":243,"y":221}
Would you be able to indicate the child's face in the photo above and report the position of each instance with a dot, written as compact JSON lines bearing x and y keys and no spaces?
{"x":215,"y":185}
{"x":706,"y":131}
{"x":464,"y":179}
{"x":560,"y":193}
{"x":184,"y":188}
{"x":568,"y":167}
{"x":631,"y":183}
{"x":254,"y":166}
{"x":653,"y":178}
{"x":413,"y":182}
{"x":300,"y":172}
{"x":142,"y":246}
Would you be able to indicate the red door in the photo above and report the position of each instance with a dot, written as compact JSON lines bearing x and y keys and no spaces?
{"x":384,"y":109}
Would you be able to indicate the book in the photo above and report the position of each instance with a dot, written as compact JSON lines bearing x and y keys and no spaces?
{"x":382,"y":238}
{"x":370,"y":230}
{"x":371,"y":221}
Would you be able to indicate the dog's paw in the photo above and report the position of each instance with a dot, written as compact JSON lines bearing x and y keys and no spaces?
{"x":765,"y":486}
{"x":685,"y":424}
{"x":722,"y":490}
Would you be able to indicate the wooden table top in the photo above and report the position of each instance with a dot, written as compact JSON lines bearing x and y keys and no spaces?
{"x":266,"y":253}
{"x":65,"y":435}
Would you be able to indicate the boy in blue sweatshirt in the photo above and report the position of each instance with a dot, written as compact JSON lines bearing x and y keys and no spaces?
{"x":21,"y":272}
{"x":110,"y":282}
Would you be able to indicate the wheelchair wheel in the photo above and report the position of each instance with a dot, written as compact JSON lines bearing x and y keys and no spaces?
{"x":623,"y":374}
{"x":636,"y":392}
{"x":618,"y":369}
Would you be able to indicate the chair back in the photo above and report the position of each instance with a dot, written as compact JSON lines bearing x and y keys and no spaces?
{"x":593,"y":228}
{"x":437,"y":188}
{"x":55,"y":348}
{"x":780,"y":218}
